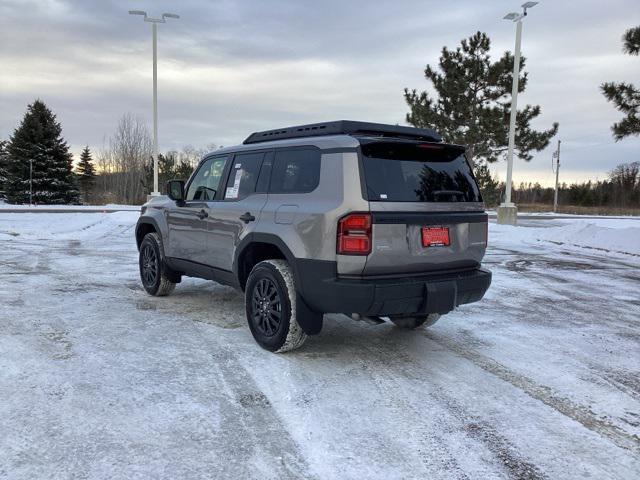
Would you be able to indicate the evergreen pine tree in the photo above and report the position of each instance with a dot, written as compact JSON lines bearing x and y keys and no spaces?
{"x":183,"y":170}
{"x":86,"y":174}
{"x":472,"y":103}
{"x":38,"y":138}
{"x":488,"y":184}
{"x":625,"y":96}
{"x":166,"y":165}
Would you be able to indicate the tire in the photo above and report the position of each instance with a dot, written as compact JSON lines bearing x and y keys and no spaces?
{"x":270,"y":302}
{"x":415,"y":321}
{"x":154,"y":273}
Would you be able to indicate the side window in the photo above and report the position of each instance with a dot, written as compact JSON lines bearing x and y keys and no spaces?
{"x":243,"y":175}
{"x":295,"y":171}
{"x":207,"y":180}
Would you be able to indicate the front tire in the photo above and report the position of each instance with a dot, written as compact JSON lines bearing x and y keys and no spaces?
{"x":270,"y":302}
{"x":153,"y":270}
{"x":415,"y":321}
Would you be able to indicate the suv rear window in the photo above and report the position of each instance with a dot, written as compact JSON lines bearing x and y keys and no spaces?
{"x":417,"y":172}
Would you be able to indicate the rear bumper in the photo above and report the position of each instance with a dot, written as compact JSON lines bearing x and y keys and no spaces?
{"x":325,"y":292}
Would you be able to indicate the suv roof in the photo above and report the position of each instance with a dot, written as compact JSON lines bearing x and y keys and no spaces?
{"x":344,"y":127}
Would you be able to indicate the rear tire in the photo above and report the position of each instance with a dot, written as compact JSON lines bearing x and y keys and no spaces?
{"x":153,"y":270}
{"x":270,"y":302}
{"x":415,"y":321}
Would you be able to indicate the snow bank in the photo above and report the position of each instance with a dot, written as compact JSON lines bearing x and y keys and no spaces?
{"x":64,"y":226}
{"x":109,"y":206}
{"x":581,"y":234}
{"x":613,"y":235}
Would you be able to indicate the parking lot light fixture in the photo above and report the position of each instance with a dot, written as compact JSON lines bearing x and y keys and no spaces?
{"x":154,"y":33}
{"x":507,"y":211}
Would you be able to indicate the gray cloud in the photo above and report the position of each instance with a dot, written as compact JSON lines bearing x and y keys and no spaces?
{"x":230,"y":67}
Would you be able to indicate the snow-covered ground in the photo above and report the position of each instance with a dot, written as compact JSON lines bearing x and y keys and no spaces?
{"x":63,"y":208}
{"x":539,"y":380}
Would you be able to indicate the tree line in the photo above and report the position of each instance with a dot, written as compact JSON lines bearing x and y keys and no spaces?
{"x":620,"y":190}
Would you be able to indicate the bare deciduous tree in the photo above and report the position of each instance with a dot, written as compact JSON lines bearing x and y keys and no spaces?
{"x":124,"y":162}
{"x":125,"y":166}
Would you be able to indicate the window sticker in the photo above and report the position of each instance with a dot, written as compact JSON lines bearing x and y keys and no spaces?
{"x":238,"y":165}
{"x":232,"y":192}
{"x":383,"y":196}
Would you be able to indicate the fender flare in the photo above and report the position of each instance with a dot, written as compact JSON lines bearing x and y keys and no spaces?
{"x":146,"y":221}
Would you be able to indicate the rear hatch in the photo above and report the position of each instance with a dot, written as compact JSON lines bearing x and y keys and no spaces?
{"x":426,"y":209}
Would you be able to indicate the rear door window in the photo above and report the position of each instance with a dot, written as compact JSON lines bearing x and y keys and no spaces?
{"x":417,"y":172}
{"x":295,"y":171}
{"x":243,"y":175}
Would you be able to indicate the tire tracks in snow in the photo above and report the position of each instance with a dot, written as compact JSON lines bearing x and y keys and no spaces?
{"x":544,"y":394}
{"x":261,"y":428}
{"x":550,"y":270}
{"x":435,"y":454}
{"x":507,"y":455}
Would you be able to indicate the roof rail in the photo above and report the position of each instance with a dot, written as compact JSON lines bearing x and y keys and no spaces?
{"x":345,"y":127}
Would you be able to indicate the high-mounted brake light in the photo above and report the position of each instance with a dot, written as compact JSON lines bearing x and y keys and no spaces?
{"x":354,"y":234}
{"x":430,"y":146}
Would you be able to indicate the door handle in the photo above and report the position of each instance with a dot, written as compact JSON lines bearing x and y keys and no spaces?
{"x":202,"y":214}
{"x":247,"y":217}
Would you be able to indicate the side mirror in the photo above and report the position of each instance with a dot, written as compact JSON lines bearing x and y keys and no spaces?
{"x":175,"y":191}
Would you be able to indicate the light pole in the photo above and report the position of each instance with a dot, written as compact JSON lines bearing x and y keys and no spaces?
{"x":154,"y":30}
{"x":507,"y":212}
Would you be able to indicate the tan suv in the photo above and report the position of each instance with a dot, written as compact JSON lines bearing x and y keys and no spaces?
{"x":372,"y":221}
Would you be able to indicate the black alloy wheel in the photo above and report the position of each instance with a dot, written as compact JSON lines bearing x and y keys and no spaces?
{"x":266,"y":307}
{"x":149,"y":265}
{"x":270,"y":303}
{"x":157,"y":278}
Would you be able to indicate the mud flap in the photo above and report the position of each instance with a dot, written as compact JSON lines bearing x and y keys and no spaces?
{"x":172,"y":275}
{"x":440,"y":297}
{"x":310,"y":321}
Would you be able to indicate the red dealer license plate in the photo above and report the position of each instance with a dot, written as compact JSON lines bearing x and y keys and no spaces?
{"x":435,"y":236}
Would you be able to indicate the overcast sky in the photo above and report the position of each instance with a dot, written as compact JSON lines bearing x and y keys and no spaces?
{"x":228,"y":68}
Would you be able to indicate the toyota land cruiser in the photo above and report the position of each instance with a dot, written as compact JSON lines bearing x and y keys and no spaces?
{"x":369,"y":220}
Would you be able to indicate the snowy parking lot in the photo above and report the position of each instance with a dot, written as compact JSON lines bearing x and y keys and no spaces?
{"x":98,"y":380}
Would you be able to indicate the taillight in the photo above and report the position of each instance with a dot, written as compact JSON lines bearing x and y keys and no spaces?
{"x":354,"y":234}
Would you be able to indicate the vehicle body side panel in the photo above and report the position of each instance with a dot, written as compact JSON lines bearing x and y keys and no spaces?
{"x":226,"y":230}
{"x":310,"y":227}
{"x":187,"y":232}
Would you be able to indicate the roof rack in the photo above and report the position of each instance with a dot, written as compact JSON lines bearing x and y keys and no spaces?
{"x":345,"y":127}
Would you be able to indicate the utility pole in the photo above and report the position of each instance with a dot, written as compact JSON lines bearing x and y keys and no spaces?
{"x":154,"y":35}
{"x":31,"y":182}
{"x":507,"y":211}
{"x":556,"y":154}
